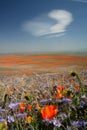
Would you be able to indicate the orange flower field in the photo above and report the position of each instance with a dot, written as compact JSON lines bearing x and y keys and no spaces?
{"x":31,"y":64}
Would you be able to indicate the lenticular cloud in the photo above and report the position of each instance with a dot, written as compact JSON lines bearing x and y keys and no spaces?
{"x":63,"y":19}
{"x":37,"y":27}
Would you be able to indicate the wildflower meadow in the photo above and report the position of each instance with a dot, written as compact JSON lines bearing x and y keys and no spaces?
{"x":44,"y":102}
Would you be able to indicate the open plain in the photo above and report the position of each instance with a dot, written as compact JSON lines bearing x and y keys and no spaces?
{"x":33,"y":64}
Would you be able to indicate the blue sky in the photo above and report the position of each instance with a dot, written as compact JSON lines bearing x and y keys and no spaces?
{"x":42,"y":25}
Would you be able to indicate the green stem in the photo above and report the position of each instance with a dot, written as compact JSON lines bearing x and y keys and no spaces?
{"x":79,"y":80}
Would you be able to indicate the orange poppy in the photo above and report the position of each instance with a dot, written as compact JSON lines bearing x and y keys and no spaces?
{"x":58,"y":95}
{"x":22,"y":107}
{"x":48,"y":112}
{"x":61,"y":88}
{"x":76,"y":88}
{"x":29,"y":107}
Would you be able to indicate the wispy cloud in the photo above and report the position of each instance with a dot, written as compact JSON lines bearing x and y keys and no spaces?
{"x":37,"y":27}
{"x":84,"y":1}
{"x":55,"y":35}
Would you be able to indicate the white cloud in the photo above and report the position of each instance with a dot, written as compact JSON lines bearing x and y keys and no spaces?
{"x":84,"y":1}
{"x":62,"y":19}
{"x":56,"y":35}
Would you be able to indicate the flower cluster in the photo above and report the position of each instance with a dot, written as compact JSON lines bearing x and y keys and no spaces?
{"x":60,"y":107}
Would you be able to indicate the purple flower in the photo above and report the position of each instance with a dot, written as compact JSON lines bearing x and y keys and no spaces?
{"x":10,"y":119}
{"x":21,"y":115}
{"x":3,"y":110}
{"x":48,"y":121}
{"x":79,"y":124}
{"x":83,"y":97}
{"x":63,"y":116}
{"x":45,"y":101}
{"x":67,"y":100}
{"x":83,"y":104}
{"x":85,"y":123}
{"x":2,"y":120}
{"x":59,"y":100}
{"x":13,"y":105}
{"x":76,"y":91}
{"x":56,"y":123}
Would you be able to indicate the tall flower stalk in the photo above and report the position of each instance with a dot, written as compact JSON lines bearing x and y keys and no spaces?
{"x":73,"y":73}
